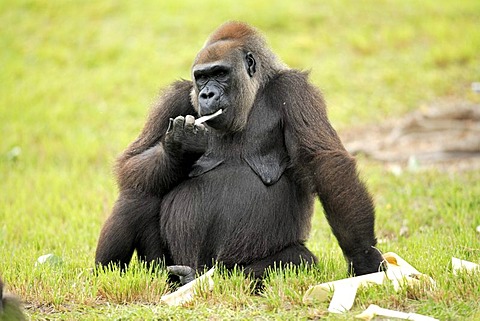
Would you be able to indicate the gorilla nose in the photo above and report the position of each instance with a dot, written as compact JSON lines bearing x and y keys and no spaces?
{"x":208,"y":99}
{"x":207,"y":95}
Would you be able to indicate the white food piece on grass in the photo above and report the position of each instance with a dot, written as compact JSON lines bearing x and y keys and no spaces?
{"x":458,"y":265}
{"x":343,"y":297}
{"x":347,"y":290}
{"x":399,"y":272}
{"x":50,"y":259}
{"x":374,"y":310}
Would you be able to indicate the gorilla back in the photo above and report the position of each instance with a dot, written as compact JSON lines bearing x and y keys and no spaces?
{"x":240,"y":188}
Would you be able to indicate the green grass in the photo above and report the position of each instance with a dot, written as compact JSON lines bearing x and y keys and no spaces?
{"x":77,"y":79}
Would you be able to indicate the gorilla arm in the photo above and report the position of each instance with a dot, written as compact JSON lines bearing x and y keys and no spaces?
{"x":147,"y":170}
{"x":320,"y":160}
{"x":150,"y":164}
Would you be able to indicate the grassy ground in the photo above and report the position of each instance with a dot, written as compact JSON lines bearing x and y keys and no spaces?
{"x":77,"y":79}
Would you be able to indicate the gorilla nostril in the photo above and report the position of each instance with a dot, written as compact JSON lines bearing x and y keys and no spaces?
{"x":208,"y":95}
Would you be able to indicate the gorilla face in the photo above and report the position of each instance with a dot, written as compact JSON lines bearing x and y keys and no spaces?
{"x":225,"y":83}
{"x":213,"y":83}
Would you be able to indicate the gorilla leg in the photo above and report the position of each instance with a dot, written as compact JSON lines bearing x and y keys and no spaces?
{"x":115,"y":244}
{"x":133,"y":224}
{"x":149,"y":246}
{"x":295,"y":254}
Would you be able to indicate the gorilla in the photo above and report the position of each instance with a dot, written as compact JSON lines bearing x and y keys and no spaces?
{"x":238,"y":188}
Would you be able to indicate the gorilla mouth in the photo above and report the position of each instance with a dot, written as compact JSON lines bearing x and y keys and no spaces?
{"x":203,"y":119}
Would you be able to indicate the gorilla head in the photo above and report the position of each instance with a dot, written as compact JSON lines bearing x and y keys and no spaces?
{"x":227,"y":73}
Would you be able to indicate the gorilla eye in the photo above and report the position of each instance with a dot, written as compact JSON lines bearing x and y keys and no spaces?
{"x":250,"y":60}
{"x":201,"y":80}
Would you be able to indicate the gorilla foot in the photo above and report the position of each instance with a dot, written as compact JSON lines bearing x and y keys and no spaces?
{"x":184,"y":273}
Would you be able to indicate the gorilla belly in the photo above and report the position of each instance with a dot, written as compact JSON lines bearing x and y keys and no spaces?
{"x":228,"y":214}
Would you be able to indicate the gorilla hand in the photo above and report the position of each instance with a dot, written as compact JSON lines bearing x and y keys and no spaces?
{"x":185,"y":137}
{"x":185,"y":273}
{"x":366,"y":261}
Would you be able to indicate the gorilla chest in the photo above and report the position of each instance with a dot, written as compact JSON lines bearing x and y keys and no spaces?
{"x":238,"y":194}
{"x":236,"y":177}
{"x":226,"y":194}
{"x":229,"y":207}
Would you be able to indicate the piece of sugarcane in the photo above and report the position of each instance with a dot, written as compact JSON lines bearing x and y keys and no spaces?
{"x":203,"y":119}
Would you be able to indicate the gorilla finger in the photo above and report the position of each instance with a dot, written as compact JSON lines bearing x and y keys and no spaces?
{"x":189,"y":122}
{"x":201,"y":128}
{"x":178,"y":123}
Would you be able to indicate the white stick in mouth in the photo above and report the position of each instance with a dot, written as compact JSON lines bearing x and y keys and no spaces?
{"x":203,"y":119}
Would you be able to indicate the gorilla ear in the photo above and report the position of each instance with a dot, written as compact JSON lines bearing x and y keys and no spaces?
{"x":250,"y":61}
